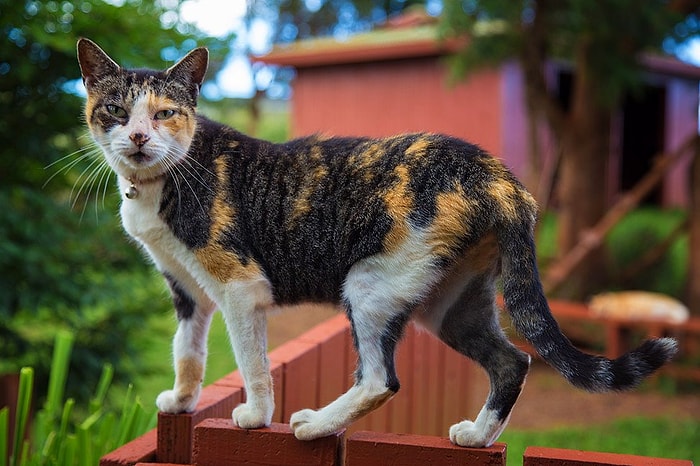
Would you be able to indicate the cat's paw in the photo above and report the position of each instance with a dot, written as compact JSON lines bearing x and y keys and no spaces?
{"x":467,"y":434}
{"x":169,"y":402}
{"x":248,"y":416}
{"x":308,"y":424}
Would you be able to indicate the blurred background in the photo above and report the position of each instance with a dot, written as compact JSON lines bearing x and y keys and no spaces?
{"x":582,"y":99}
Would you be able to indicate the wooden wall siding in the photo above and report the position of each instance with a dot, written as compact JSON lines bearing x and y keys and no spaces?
{"x":397,"y":97}
{"x":311,"y":371}
{"x":681,"y":121}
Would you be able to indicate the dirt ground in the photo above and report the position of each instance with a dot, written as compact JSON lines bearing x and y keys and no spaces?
{"x":547,"y":400}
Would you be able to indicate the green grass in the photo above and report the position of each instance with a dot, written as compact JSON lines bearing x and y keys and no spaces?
{"x":157,"y":357}
{"x":61,"y":432}
{"x":655,"y":437}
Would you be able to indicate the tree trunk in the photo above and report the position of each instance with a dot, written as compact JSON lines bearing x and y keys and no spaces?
{"x":585,"y":143}
{"x":693,"y":283}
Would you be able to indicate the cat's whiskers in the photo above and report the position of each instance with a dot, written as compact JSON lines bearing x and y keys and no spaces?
{"x":103,"y":181}
{"x":72,"y":159}
{"x":86,"y":176}
{"x":180,"y":164}
{"x":92,"y":175}
{"x":192,"y":168}
{"x":97,"y":172}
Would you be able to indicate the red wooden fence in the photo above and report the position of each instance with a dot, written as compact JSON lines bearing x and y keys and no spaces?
{"x":311,"y":371}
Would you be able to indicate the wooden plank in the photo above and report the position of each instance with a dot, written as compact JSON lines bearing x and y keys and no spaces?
{"x":386,"y":449}
{"x":541,"y":456}
{"x":218,"y":443}
{"x":176,"y":431}
{"x":139,"y":450}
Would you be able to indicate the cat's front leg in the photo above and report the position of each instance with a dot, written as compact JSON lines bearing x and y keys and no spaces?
{"x":194,"y":312}
{"x":246,"y":321}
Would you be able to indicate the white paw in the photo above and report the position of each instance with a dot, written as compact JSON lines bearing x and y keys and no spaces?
{"x":248,"y":416}
{"x":467,"y":434}
{"x":169,"y":402}
{"x":308,"y":424}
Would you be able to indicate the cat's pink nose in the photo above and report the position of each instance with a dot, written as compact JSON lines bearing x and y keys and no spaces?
{"x":139,"y":139}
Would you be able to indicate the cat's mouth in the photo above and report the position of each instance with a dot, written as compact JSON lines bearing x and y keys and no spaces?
{"x":139,"y":157}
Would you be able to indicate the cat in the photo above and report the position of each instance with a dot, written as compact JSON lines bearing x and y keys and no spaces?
{"x":413,"y":227}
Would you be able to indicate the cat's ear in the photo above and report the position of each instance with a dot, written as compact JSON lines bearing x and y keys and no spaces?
{"x":94,"y":62}
{"x":191,"y":68}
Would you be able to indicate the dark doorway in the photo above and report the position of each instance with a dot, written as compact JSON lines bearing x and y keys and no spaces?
{"x":643,"y":128}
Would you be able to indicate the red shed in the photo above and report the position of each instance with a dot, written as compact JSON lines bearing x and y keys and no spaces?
{"x":392,"y":81}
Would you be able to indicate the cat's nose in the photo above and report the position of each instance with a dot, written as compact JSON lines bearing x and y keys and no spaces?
{"x":139,"y":139}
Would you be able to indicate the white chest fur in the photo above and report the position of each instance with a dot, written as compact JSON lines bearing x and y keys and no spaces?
{"x":141,"y":220}
{"x":140,"y":215}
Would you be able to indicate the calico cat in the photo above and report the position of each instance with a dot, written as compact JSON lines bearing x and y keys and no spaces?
{"x":416,"y":226}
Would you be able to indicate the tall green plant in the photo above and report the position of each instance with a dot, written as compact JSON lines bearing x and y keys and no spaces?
{"x":63,"y":434}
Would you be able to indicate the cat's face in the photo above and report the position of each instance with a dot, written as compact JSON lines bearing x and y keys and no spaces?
{"x":144,"y":120}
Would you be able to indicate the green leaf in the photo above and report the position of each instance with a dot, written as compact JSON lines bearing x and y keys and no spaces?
{"x":4,"y":434}
{"x":24,"y":400}
{"x":59,"y":372}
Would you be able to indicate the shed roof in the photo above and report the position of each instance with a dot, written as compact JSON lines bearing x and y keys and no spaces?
{"x":394,"y":43}
{"x":377,"y":45}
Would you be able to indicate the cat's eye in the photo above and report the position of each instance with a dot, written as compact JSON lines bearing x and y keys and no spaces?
{"x":116,"y":111}
{"x":164,"y":114}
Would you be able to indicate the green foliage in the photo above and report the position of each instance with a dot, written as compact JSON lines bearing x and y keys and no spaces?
{"x":614,"y":32}
{"x":628,"y":242}
{"x":61,"y":265}
{"x":295,"y":20}
{"x":62,"y":433}
{"x":273,"y":124}
{"x":632,"y":238}
{"x":655,"y":437}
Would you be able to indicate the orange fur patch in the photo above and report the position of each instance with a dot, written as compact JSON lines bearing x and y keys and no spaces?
{"x":189,"y":374}
{"x":484,"y":254}
{"x":302,"y":203}
{"x":363,"y":162}
{"x":505,"y":195}
{"x":181,"y":125}
{"x":224,"y":265}
{"x":451,"y":222}
{"x":399,"y":202}
{"x":371,"y":404}
{"x":418,"y":148}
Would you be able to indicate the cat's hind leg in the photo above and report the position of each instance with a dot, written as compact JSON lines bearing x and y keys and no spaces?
{"x":378,"y":312}
{"x":375,"y":381}
{"x":470,"y":325}
{"x":194,"y":311}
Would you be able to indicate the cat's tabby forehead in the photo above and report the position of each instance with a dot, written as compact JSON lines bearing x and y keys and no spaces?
{"x":128,"y":85}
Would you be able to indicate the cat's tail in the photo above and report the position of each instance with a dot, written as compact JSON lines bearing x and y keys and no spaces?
{"x":532,"y":318}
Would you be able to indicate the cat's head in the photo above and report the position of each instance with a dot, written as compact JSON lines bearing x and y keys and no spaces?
{"x":144,"y":120}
